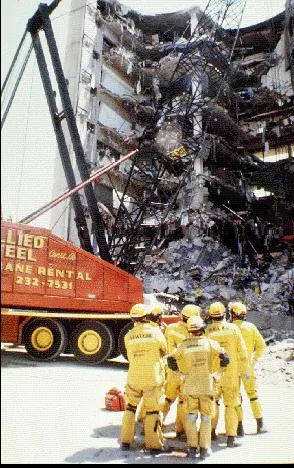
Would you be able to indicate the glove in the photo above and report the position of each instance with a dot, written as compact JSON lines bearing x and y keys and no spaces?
{"x":224,"y":359}
{"x":172,"y":363}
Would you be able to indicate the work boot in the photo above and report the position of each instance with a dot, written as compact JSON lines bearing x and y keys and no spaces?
{"x":231,"y":442}
{"x":181,"y":435}
{"x":192,"y":452}
{"x":204,"y":453}
{"x":213,"y":434}
{"x":125,"y":446}
{"x":260,"y":428}
{"x":240,"y":429}
{"x":156,"y":451}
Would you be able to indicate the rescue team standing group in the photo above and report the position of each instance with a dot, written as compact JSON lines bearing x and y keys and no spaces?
{"x":195,"y":363}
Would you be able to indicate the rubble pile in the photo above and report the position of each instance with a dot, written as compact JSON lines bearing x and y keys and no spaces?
{"x":174,"y":268}
{"x":221,"y":276}
{"x":202,"y":270}
{"x":277,"y":364}
{"x":275,"y":287}
{"x":199,"y":269}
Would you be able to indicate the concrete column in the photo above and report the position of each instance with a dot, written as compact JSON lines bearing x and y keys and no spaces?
{"x":197,"y":190}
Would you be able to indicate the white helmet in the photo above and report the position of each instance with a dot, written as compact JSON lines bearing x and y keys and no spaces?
{"x":195,"y":324}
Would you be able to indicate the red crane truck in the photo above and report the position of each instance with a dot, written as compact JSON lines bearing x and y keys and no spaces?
{"x":56,"y":297}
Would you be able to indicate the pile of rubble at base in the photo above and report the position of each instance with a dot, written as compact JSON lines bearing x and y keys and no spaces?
{"x":202,"y":270}
{"x":277,"y":364}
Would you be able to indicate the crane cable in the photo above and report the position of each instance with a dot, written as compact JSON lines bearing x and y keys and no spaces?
{"x":16,"y":84}
{"x":13,"y":62}
{"x":25,"y":139}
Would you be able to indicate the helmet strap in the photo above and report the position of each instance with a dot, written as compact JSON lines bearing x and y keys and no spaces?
{"x":218,"y":319}
{"x":238,"y":317}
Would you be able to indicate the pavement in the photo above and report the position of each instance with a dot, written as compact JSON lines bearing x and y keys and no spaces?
{"x":54,"y":413}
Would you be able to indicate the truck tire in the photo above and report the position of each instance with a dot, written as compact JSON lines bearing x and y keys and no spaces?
{"x":92,"y":342}
{"x":115,"y":353}
{"x":45,"y":339}
{"x":121,"y":339}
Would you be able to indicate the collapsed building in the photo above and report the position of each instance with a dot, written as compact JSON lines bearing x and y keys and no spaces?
{"x":210,"y":107}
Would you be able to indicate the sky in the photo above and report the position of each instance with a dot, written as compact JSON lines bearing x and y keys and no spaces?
{"x":28,"y":141}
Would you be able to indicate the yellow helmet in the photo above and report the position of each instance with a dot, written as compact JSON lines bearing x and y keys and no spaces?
{"x":138,"y":311}
{"x":216,"y":309}
{"x":157,"y":310}
{"x":190,"y":310}
{"x":238,"y":308}
{"x":195,"y":324}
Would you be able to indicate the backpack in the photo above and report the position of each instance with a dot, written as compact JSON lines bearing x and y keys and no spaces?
{"x":115,"y":400}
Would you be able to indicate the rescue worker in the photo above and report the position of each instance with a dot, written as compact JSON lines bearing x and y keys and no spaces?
{"x":175,"y":334}
{"x":229,"y":337}
{"x":198,"y":358}
{"x":146,"y":346}
{"x":154,"y":315}
{"x":156,"y":312}
{"x":255,"y":346}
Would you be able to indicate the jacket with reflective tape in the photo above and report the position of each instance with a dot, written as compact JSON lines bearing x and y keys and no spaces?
{"x":145,"y":346}
{"x":254,"y":341}
{"x":175,"y":334}
{"x":198,"y":358}
{"x":229,"y":337}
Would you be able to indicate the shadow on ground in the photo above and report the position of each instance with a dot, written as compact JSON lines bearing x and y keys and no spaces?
{"x":175,"y":450}
{"x":16,"y":356}
{"x":12,"y":358}
{"x":134,"y":456}
{"x":110,"y":431}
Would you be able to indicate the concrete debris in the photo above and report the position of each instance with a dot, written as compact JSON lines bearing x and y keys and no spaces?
{"x":277,"y":364}
{"x":200,"y":269}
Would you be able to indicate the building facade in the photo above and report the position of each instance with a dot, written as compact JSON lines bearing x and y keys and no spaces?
{"x":210,"y":107}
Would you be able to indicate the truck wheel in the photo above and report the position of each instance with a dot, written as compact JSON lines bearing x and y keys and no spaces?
{"x":115,"y":353}
{"x":121,"y":339}
{"x":45,"y":339}
{"x":92,"y":342}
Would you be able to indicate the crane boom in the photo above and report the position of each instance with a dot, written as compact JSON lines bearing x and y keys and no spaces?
{"x":41,"y":20}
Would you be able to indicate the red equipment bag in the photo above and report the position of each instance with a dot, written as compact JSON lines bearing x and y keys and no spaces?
{"x":115,"y":400}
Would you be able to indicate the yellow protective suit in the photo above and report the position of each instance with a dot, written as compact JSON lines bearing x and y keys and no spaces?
{"x":229,"y":337}
{"x":141,"y":412}
{"x":175,"y":334}
{"x":198,"y":358}
{"x":145,"y":346}
{"x":255,"y":346}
